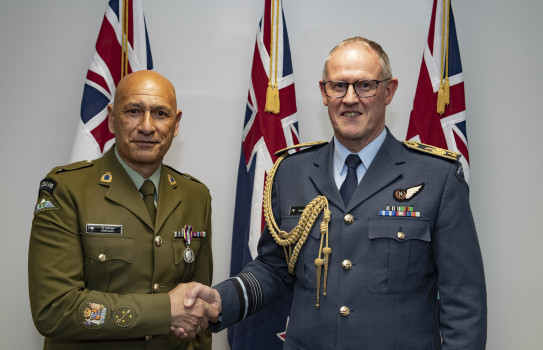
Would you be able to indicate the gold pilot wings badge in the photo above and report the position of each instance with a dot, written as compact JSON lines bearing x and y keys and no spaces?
{"x":402,"y":195}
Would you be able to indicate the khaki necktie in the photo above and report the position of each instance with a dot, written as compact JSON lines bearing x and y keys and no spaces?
{"x":148,"y":191}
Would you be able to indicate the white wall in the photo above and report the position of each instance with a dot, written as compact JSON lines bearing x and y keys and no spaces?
{"x":206,"y":48}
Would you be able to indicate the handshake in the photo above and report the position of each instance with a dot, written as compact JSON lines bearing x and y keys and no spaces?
{"x":193,"y":306}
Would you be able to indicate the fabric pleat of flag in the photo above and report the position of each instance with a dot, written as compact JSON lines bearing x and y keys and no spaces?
{"x":266,"y":129}
{"x":122,"y":47}
{"x":438,"y":117}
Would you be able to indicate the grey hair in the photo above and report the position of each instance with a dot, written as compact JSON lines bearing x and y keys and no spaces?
{"x":384,"y":62}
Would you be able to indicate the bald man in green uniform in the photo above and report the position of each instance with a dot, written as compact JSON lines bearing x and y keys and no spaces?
{"x":106,"y":260}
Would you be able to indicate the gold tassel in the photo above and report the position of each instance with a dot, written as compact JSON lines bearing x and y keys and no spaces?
{"x":269,"y":99}
{"x":275,"y":99}
{"x":440,"y":101}
{"x":272,"y":94}
{"x":318,"y":262}
{"x":446,"y":89}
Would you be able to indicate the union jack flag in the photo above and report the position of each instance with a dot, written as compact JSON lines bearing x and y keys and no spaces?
{"x":263,"y":134}
{"x":106,"y":68}
{"x":426,"y":125}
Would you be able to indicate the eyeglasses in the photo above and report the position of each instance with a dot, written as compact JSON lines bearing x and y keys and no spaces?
{"x":362,"y":88}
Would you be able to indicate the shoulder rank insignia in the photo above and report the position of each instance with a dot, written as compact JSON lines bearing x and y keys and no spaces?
{"x":301,"y":145}
{"x":74,"y":166}
{"x":436,"y":151}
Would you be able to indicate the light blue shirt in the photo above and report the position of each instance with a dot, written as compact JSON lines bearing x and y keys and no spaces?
{"x":138,"y":179}
{"x":366,"y":155}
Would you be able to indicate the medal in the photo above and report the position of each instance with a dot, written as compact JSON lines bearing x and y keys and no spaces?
{"x":188,"y":255}
{"x":188,"y":234}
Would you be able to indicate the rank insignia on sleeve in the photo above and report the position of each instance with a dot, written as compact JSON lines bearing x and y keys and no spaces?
{"x":124,"y":316}
{"x":43,"y":204}
{"x":171,"y":180}
{"x":107,"y":177}
{"x":93,"y":315}
{"x":402,"y":195}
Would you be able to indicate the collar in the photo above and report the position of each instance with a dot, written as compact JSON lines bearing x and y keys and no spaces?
{"x":137,"y":178}
{"x":366,"y":154}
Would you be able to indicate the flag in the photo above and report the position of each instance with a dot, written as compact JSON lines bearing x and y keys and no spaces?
{"x":432,"y":120}
{"x":264,"y":133}
{"x":122,"y":47}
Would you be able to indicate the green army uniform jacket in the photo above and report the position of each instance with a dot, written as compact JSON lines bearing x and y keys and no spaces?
{"x":99,"y":270}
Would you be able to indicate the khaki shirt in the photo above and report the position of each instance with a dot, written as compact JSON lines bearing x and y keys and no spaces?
{"x":99,"y":272}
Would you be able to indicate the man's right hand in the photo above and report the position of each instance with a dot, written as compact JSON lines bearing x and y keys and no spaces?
{"x":186,"y":322}
{"x":209,"y":295}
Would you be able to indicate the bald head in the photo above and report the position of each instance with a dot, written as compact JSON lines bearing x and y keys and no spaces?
{"x":145,"y":80}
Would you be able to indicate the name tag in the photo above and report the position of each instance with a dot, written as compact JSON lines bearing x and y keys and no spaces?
{"x":296,"y":210}
{"x":99,"y":228}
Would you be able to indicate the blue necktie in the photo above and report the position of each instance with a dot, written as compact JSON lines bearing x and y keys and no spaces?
{"x":351,"y":181}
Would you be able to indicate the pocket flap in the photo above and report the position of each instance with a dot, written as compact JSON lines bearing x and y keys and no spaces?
{"x":102,"y":248}
{"x":400,"y":229}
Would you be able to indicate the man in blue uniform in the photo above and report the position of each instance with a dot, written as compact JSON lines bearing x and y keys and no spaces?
{"x":399,"y":231}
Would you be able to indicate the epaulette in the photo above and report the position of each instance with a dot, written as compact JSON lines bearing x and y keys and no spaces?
{"x":436,"y":151}
{"x":183,"y":174}
{"x":301,"y":145}
{"x":74,"y":166}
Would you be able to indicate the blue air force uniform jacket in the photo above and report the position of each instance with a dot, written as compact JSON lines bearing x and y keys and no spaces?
{"x":385,"y":272}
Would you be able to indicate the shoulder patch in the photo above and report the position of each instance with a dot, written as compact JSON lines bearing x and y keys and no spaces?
{"x":74,"y":166}
{"x":47,"y":185}
{"x":301,"y":145}
{"x":436,"y":151}
{"x":43,"y":205}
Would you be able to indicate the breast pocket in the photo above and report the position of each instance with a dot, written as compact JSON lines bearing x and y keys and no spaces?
{"x":108,"y":259}
{"x":183,"y":270}
{"x":399,"y":257}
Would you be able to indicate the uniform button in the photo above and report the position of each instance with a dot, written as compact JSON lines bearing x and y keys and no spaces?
{"x":344,"y":311}
{"x":401,"y":235}
{"x":349,"y":219}
{"x":347,"y":264}
{"x":156,"y":288}
{"x":102,"y":257}
{"x":148,"y":337}
{"x":158,"y":241}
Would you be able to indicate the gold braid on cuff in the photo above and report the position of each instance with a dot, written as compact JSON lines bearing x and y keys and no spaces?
{"x":298,"y":235}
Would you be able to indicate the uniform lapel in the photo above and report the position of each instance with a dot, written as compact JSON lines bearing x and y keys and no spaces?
{"x":121,"y":187}
{"x":169,"y":197}
{"x":384,"y":169}
{"x":323,"y":176}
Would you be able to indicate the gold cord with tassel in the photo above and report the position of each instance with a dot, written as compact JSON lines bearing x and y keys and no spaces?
{"x":124,"y":39}
{"x":444,"y":87}
{"x":298,"y":235}
{"x":272,"y":93}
